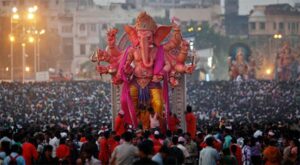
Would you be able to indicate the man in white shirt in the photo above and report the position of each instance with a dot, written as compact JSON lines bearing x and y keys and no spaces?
{"x":54,"y":142}
{"x":126,"y":152}
{"x":180,"y":145}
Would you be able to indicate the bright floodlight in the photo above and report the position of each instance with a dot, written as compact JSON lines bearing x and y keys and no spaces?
{"x":31,"y":10}
{"x":14,"y":9}
{"x":268,"y":71}
{"x":12,"y":38}
{"x":190,"y":29}
{"x":16,"y":16}
{"x":27,"y":69}
{"x":279,"y":36}
{"x":35,"y":8}
{"x":30,"y":16}
{"x":42,"y":31}
{"x":7,"y":69}
{"x":31,"y":39}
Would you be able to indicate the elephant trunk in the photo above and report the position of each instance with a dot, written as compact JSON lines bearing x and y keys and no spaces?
{"x":146,"y":56}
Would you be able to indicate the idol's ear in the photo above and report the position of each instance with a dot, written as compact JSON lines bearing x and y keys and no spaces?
{"x":161,"y":33}
{"x":132,"y":34}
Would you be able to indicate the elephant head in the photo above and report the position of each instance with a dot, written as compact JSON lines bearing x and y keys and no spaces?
{"x":146,"y":34}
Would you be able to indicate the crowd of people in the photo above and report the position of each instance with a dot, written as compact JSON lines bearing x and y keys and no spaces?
{"x":242,"y":123}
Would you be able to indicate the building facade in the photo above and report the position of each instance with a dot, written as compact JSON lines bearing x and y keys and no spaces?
{"x":274,"y":19}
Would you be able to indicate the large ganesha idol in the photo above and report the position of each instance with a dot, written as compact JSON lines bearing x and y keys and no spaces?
{"x":287,"y":65}
{"x":240,"y":63}
{"x":143,"y":66}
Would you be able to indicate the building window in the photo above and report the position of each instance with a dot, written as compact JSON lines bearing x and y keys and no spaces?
{"x":93,"y":47}
{"x":293,"y":27}
{"x":297,"y":27}
{"x":262,"y":26}
{"x":274,"y":25}
{"x":82,"y":27}
{"x":5,"y":3}
{"x":67,"y":29}
{"x":82,"y":49}
{"x":281,"y":26}
{"x":93,"y":28}
{"x":252,"y":26}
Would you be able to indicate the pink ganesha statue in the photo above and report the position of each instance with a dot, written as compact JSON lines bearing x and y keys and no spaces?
{"x":143,"y":65}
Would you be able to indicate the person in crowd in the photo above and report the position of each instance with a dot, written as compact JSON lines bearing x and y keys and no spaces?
{"x":154,"y":119}
{"x":209,"y":155}
{"x":145,"y":150}
{"x":176,"y":153}
{"x":87,"y":156}
{"x":236,"y":150}
{"x":181,"y":145}
{"x":119,"y":123}
{"x":15,"y":157}
{"x":162,"y":155}
{"x":271,"y":154}
{"x":29,"y":151}
{"x":227,"y":139}
{"x":227,"y":158}
{"x":157,"y":143}
{"x":46,"y":156}
{"x":192,"y":149}
{"x":290,"y":153}
{"x":54,"y":141}
{"x":126,"y":152}
{"x":104,"y":148}
{"x":4,"y":150}
{"x":174,"y":122}
{"x":246,"y":152}
{"x":63,"y":152}
{"x":256,"y":155}
{"x":91,"y":142}
{"x":190,"y":120}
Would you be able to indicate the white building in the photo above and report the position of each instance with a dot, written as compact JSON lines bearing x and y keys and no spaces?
{"x":91,"y":24}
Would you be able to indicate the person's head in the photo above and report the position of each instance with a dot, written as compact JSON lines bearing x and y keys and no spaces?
{"x":145,"y":148}
{"x":247,"y":141}
{"x":62,"y":141}
{"x":226,"y":151}
{"x":127,"y":136}
{"x":156,"y":134}
{"x":151,"y":110}
{"x":121,"y":113}
{"x":187,"y":137}
{"x":16,"y":148}
{"x":5,"y":146}
{"x":294,"y":143}
{"x":233,"y":148}
{"x":87,"y":151}
{"x":164,"y":150}
{"x":181,"y":140}
{"x":175,"y":140}
{"x":209,"y":141}
{"x":168,"y":133}
{"x":106,"y":134}
{"x":189,"y":109}
{"x":48,"y":150}
{"x":117,"y":138}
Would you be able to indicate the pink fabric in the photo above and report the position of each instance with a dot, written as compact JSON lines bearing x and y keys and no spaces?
{"x":126,"y":102}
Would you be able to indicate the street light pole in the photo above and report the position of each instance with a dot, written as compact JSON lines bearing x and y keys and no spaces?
{"x":11,"y":52}
{"x":38,"y":53}
{"x":35,"y":57}
{"x":23,"y":61}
